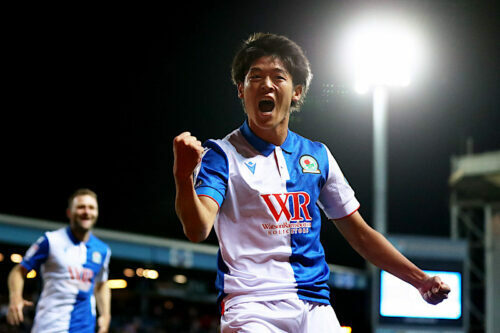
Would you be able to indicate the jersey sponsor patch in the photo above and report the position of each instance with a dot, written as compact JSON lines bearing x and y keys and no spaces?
{"x":286,"y":228}
{"x":81,"y":277}
{"x":277,"y":204}
{"x":289,"y":220}
{"x":309,"y":164}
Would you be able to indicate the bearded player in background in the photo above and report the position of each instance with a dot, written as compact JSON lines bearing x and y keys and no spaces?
{"x":74,"y":267}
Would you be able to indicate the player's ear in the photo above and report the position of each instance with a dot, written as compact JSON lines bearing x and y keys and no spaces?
{"x":297,"y":93}
{"x":68,"y":212}
{"x":240,"y":90}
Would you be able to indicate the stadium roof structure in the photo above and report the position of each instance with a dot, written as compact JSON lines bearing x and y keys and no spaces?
{"x":476,"y":176}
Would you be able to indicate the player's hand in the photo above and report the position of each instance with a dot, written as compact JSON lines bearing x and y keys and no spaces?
{"x":434,"y":291}
{"x":103,"y":324}
{"x":187,"y":154}
{"x":15,"y":312}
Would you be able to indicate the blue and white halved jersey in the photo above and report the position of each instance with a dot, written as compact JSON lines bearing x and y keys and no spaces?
{"x":269,"y":221}
{"x":69,"y":270}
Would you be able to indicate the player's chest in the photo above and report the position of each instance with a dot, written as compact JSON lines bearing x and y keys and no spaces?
{"x":279,"y":172}
{"x":75,"y":260}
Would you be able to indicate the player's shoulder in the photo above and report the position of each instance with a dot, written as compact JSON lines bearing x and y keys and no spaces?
{"x":57,"y":234}
{"x":51,"y":238}
{"x":226,"y":145}
{"x":98,"y":243}
{"x":225,"y":142}
{"x":302,"y":141}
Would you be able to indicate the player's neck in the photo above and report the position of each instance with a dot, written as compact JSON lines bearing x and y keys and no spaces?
{"x":81,"y":235}
{"x":276,"y":135}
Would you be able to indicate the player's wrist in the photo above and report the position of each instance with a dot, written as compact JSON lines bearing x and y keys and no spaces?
{"x":104,"y":321}
{"x":184,"y":182}
{"x":423,"y":283}
{"x":417,"y":279}
{"x":15,"y":296}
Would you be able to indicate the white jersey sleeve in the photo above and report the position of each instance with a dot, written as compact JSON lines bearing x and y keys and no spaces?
{"x":337,"y":198}
{"x":103,"y":274}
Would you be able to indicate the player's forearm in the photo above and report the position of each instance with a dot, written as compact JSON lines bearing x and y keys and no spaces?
{"x":375,"y":248}
{"x":196,"y":217}
{"x":15,"y":282}
{"x":103,"y":300}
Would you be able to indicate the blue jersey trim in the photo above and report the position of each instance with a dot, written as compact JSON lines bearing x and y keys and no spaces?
{"x":35,"y":260}
{"x":212,"y":193}
{"x":290,"y":144}
{"x":302,"y":295}
{"x":71,"y":236}
{"x":213,"y":176}
{"x":222,"y":269}
{"x":264,"y":147}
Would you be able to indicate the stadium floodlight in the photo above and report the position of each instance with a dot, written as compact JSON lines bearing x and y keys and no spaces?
{"x":382,"y":52}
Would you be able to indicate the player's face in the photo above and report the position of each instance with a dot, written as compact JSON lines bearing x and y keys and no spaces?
{"x":268,"y":92}
{"x":83,"y":213}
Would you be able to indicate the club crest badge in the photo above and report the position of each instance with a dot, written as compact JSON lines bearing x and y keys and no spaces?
{"x":309,"y":164}
{"x":96,"y":257}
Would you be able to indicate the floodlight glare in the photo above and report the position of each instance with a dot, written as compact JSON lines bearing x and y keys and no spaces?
{"x":116,"y":284}
{"x":382,"y":53}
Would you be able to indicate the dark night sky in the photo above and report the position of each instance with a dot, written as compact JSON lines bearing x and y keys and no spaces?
{"x":94,"y":96}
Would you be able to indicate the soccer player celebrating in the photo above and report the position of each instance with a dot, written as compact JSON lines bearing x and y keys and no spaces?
{"x":261,"y":188}
{"x":74,"y":266}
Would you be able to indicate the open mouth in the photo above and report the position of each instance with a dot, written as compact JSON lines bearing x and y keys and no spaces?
{"x":266,"y":106}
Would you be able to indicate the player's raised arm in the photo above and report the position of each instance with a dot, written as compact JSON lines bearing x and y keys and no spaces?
{"x":197,"y":214}
{"x":375,"y":248}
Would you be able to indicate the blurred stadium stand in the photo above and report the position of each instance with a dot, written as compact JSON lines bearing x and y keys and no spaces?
{"x":183,"y":296}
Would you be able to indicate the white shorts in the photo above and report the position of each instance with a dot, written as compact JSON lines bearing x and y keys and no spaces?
{"x":283,"y":316}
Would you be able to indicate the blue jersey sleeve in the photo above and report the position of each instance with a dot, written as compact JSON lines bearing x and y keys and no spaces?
{"x":37,"y":254}
{"x":212,"y":176}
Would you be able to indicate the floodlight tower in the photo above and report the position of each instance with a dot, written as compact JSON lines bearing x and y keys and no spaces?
{"x":383,"y":55}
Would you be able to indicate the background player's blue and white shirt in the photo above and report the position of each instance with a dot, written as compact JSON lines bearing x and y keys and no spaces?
{"x":269,"y":221}
{"x":69,"y":270}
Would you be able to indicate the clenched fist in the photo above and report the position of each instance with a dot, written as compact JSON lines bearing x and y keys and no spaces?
{"x":187,"y":154}
{"x":434,"y":290}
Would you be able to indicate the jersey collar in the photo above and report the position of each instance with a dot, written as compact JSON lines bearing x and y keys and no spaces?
{"x":75,"y":240}
{"x":264,"y":147}
{"x":71,"y":236}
